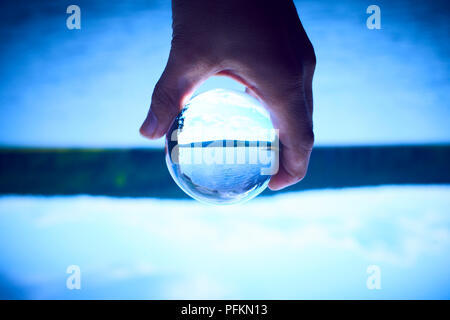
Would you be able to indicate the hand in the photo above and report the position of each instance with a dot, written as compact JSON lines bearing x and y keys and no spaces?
{"x":261,"y":44}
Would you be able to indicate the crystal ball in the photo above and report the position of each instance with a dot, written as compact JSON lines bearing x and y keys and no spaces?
{"x":222,"y":147}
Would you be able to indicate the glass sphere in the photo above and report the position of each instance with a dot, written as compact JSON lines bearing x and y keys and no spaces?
{"x":222,"y":147}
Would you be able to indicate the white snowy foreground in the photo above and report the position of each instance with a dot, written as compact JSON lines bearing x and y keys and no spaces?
{"x":314,"y":244}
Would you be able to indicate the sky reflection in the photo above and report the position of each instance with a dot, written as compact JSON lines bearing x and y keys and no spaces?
{"x":315,"y":244}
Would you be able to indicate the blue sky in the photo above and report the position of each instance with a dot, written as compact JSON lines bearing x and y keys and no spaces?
{"x":92,"y":87}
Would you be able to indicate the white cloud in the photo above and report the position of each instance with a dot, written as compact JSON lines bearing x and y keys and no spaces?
{"x":292,"y":234}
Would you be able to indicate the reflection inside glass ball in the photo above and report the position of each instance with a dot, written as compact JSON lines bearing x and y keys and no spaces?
{"x":222,"y":147}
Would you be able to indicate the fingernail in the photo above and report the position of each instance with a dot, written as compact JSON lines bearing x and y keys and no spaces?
{"x":148,"y":128}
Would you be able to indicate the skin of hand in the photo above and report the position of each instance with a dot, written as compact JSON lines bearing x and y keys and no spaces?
{"x":261,"y":44}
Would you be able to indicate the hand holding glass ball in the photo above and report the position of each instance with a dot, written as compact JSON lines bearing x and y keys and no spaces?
{"x":261,"y":45}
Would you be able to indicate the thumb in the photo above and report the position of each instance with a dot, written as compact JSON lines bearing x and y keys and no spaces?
{"x":177,"y":83}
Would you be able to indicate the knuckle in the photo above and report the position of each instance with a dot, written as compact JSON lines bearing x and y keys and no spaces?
{"x":188,"y":49}
{"x":199,"y":56}
{"x":184,"y":50}
{"x":306,"y":53}
{"x":301,"y":175}
{"x":308,"y":140}
{"x":162,"y":100}
{"x":297,"y":165}
{"x":297,"y":175}
{"x":310,"y":58}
